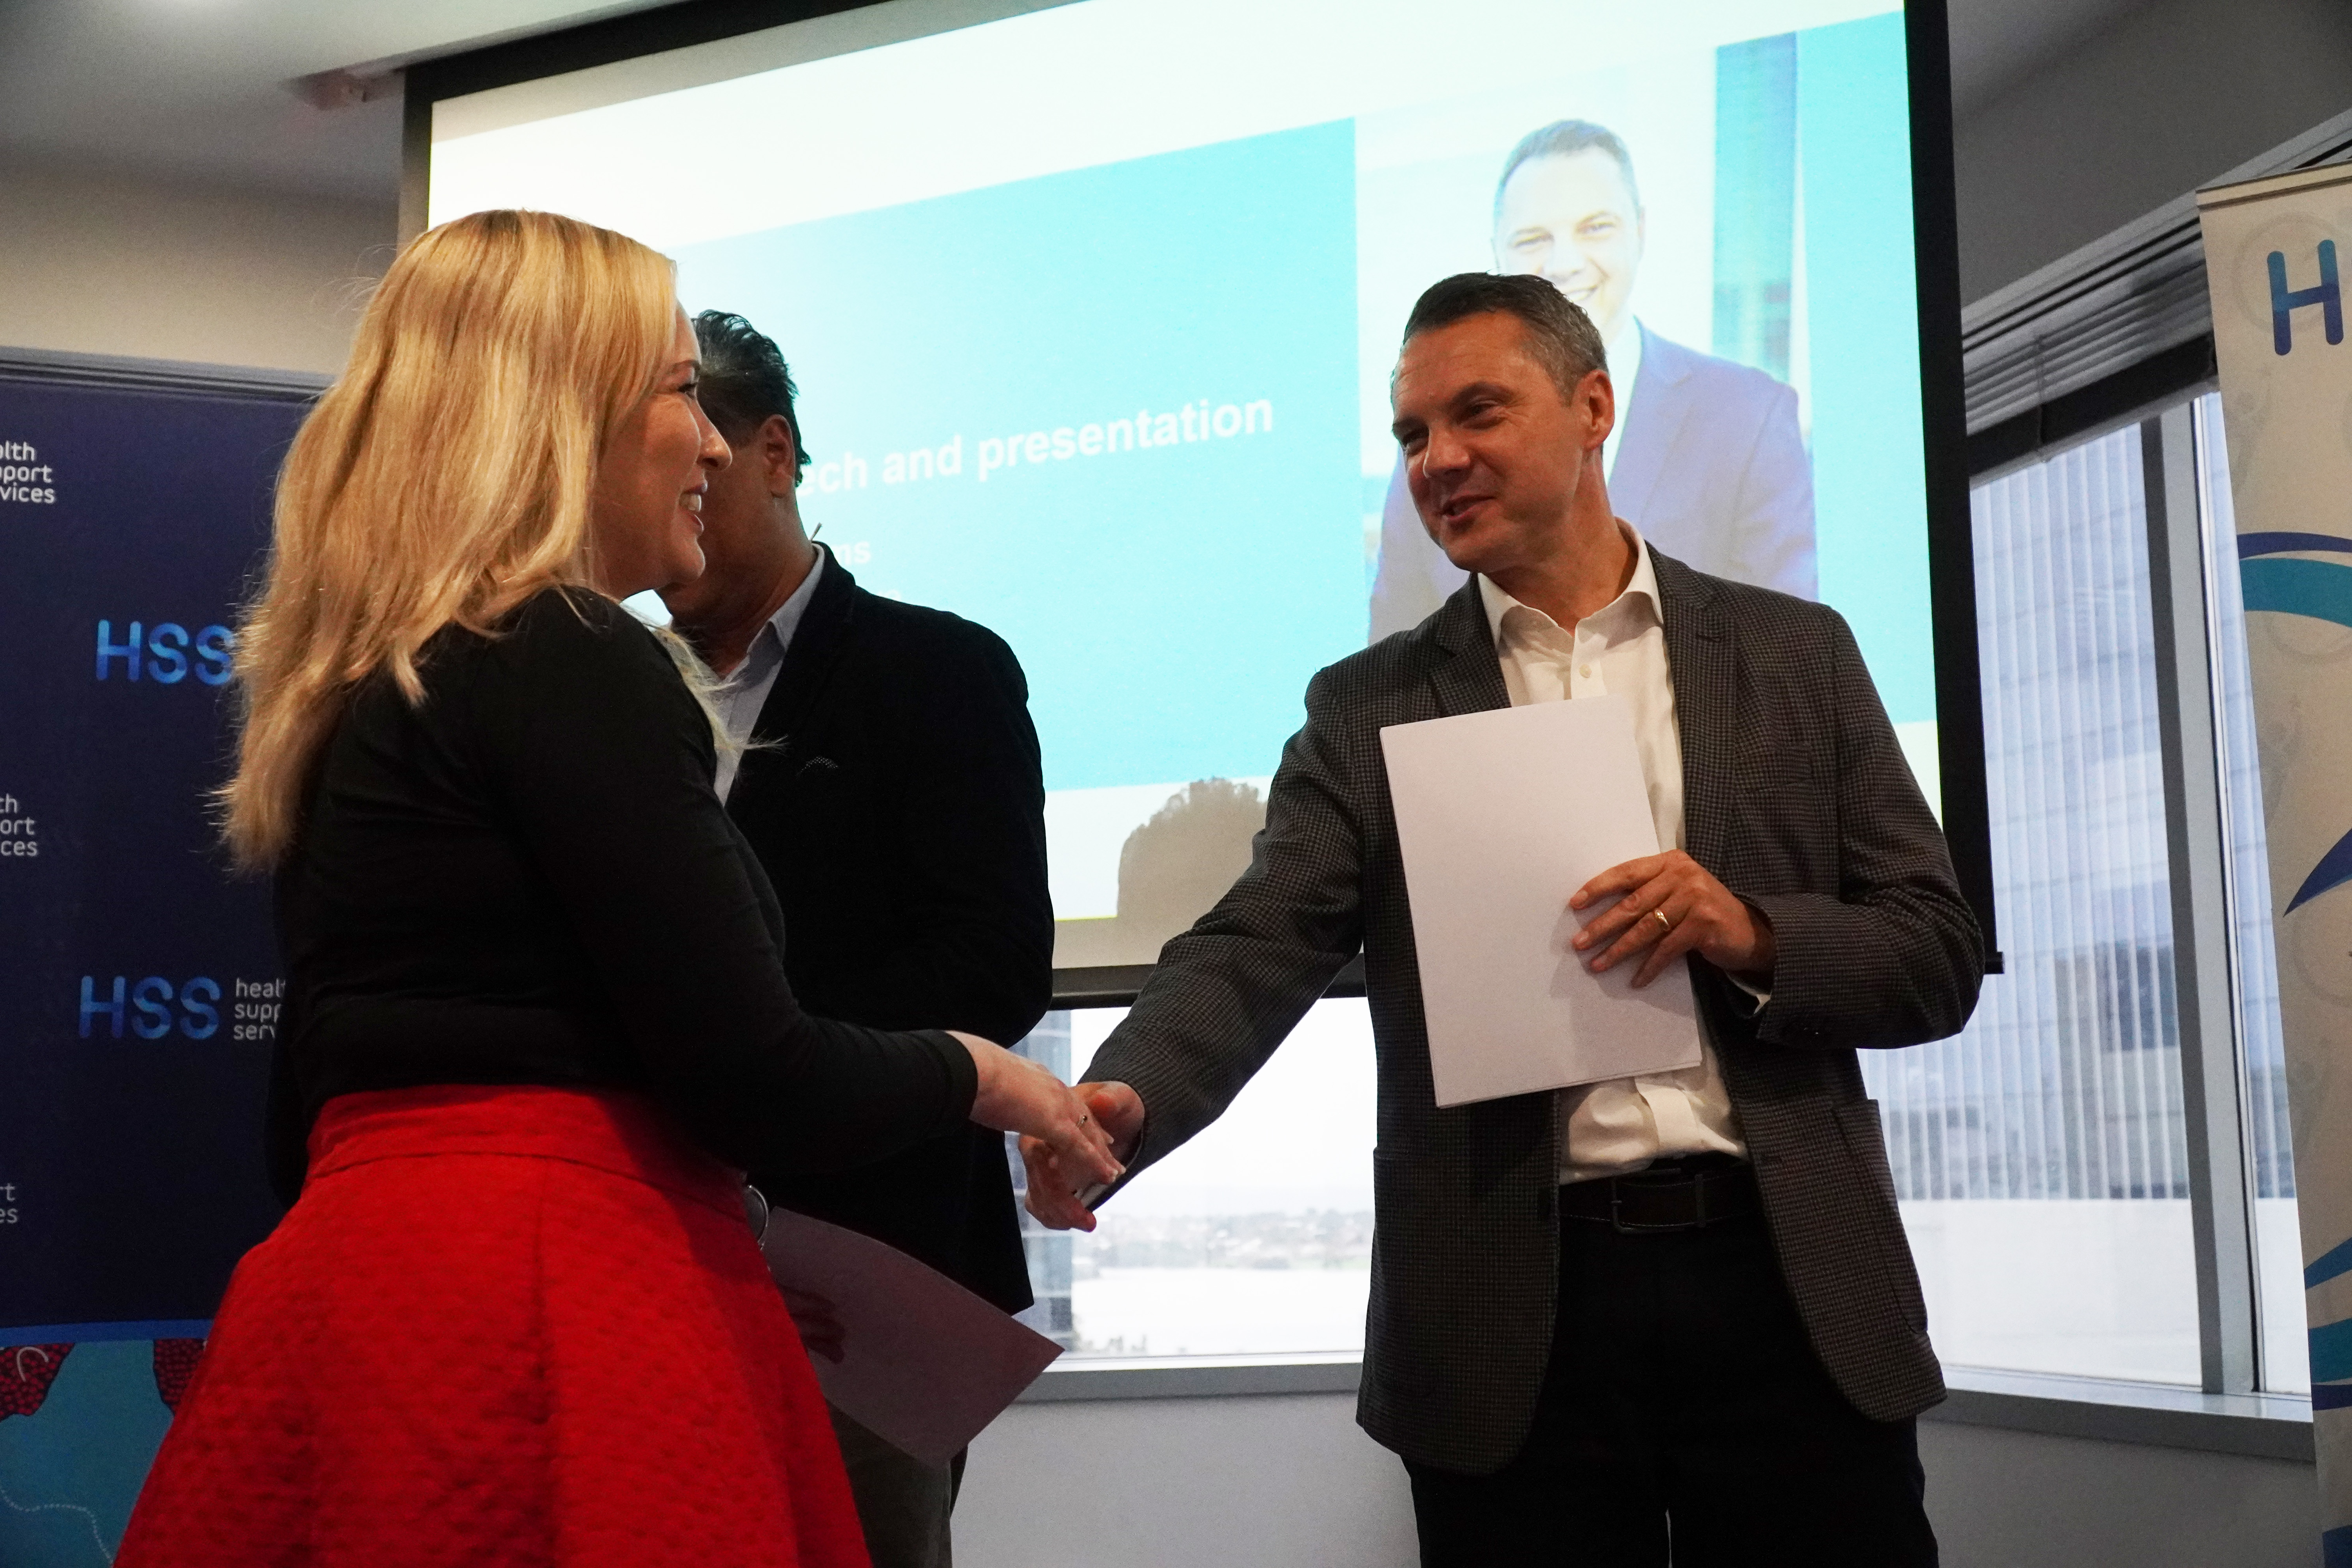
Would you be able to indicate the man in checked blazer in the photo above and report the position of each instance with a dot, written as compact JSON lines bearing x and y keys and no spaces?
{"x":1675,"y":1309}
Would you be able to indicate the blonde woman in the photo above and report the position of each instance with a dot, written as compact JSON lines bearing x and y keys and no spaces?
{"x":537,"y":1015}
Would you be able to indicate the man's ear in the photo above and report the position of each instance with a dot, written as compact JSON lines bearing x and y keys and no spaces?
{"x":1598,"y":395}
{"x":780,"y":454}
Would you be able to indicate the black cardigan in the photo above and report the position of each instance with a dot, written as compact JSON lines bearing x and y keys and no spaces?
{"x":528,"y":879}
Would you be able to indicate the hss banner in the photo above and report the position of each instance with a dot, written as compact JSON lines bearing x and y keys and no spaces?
{"x":2271,"y":257}
{"x":138,"y":983}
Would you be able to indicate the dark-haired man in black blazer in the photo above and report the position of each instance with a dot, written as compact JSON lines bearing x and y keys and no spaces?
{"x":897,"y":800}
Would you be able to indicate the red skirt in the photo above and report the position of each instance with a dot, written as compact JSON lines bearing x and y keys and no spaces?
{"x":502,"y":1327}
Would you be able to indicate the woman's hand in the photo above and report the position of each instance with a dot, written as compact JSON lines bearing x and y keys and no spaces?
{"x":1016,"y":1095}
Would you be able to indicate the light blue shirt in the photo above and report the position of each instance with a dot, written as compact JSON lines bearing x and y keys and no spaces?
{"x":745,"y":691}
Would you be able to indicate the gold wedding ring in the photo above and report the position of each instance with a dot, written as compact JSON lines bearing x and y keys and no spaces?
{"x":1663,"y":920}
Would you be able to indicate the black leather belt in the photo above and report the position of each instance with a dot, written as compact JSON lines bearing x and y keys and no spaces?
{"x":1669,"y":1195}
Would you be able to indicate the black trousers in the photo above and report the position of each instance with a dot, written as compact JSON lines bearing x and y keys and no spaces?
{"x":1683,"y":1419}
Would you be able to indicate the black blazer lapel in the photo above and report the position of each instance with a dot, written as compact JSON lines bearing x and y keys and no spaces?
{"x":1702,"y":662}
{"x":1471,"y":680}
{"x":809,"y":664}
{"x":815,"y":648}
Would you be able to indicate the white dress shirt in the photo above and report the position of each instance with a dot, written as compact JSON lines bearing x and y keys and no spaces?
{"x":745,"y":691}
{"x":1622,"y":1125}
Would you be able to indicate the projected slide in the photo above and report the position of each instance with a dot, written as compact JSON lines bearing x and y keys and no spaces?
{"x":1093,"y":311}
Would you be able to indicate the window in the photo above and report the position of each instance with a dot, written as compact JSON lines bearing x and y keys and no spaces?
{"x":1255,"y":1238}
{"x":2040,"y":1155}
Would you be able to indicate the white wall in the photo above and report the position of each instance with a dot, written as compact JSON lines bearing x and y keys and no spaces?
{"x":1282,"y":1481}
{"x":95,"y":261}
{"x":1291,"y":1482}
{"x":2020,"y":1500}
{"x":2175,"y":93}
{"x":105,"y":262}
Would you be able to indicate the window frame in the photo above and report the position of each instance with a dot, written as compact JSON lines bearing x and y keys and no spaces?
{"x":2258,"y":1426}
{"x":2181,"y":564}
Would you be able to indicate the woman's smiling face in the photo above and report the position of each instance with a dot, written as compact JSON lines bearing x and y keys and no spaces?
{"x":645,"y":513}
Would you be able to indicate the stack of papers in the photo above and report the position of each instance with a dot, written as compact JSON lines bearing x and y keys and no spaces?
{"x":925,"y":1364}
{"x":1501,"y":815}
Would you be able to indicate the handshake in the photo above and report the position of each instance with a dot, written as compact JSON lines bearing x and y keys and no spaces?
{"x":1074,"y":1140}
{"x":1058,"y":1188}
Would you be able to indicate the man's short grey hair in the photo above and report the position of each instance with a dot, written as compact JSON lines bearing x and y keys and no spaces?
{"x":1560,"y":334}
{"x":1566,"y":139}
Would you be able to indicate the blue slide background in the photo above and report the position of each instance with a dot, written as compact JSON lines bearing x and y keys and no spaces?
{"x":1169,"y":605}
{"x":1869,"y":449}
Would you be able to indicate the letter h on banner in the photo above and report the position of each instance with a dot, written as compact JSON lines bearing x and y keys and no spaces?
{"x":91,"y":1007}
{"x":127,"y":650}
{"x":2327,"y":294}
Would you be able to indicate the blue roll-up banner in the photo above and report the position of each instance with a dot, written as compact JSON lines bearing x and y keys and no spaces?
{"x":2272,"y":249}
{"x":139,"y":980}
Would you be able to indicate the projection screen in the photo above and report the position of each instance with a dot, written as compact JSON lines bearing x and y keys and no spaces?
{"x":1092,"y":307}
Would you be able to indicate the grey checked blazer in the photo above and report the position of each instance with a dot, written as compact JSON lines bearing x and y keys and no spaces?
{"x":1797,"y":796}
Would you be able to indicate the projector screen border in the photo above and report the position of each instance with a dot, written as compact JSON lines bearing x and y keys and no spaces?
{"x":1951,"y":562}
{"x":1951,"y":547}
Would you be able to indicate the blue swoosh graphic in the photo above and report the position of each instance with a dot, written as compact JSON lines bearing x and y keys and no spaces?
{"x":2336,"y":1259}
{"x":2335,"y":869}
{"x":2319,"y":589}
{"x":2252,"y":544}
{"x":2331,"y":1351}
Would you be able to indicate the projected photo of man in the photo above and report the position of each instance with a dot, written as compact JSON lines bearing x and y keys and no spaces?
{"x":1708,"y":459}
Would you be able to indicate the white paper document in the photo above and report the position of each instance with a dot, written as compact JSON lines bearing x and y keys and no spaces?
{"x":925,"y":1364}
{"x":1501,"y":815}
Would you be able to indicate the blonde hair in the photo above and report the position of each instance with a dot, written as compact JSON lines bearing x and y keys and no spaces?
{"x":445,"y":477}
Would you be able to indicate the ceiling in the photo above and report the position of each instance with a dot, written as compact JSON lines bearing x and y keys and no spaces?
{"x":199,"y":90}
{"x":1998,"y":44}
